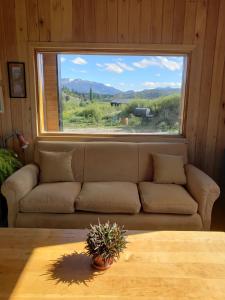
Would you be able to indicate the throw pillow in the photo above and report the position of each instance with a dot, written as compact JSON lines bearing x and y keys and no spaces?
{"x":55,"y":166}
{"x":169,"y":169}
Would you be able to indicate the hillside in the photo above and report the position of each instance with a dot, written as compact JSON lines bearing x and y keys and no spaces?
{"x":84,"y":86}
{"x":80,"y":86}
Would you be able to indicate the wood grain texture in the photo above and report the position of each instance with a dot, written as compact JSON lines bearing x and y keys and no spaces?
{"x":206,"y":79}
{"x":159,"y":22}
{"x":195,"y":78}
{"x":167,"y":26}
{"x":216,"y":90}
{"x":51,"y":92}
{"x":155,"y":265}
{"x":32,"y":19}
{"x":44,"y":12}
{"x":189,"y":21}
{"x":123,"y":21}
{"x":178,"y":21}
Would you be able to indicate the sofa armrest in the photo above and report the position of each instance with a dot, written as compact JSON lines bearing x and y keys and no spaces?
{"x":204,"y":190}
{"x":16,"y":187}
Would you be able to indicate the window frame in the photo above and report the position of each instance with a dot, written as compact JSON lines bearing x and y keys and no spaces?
{"x":100,"y":48}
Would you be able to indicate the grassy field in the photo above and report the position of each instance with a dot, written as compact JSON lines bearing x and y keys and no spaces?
{"x":80,"y":114}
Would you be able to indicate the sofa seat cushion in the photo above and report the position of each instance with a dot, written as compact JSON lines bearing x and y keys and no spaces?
{"x":51,"y":198}
{"x":109,"y":197}
{"x":166,"y":198}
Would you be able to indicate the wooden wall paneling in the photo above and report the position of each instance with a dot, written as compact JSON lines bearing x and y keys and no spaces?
{"x":178,"y":21}
{"x":78,"y":20}
{"x":14,"y":108}
{"x":101,"y":20}
{"x":2,"y":92}
{"x":12,"y":55}
{"x":156,"y":20}
{"x":56,"y":18}
{"x":32,"y":19}
{"x":89,"y":20}
{"x":61,"y":20}
{"x":112,"y":21}
{"x":51,"y":92}
{"x":189,"y":21}
{"x":167,"y":25}
{"x":195,"y":78}
{"x":67,"y":19}
{"x":6,"y":116}
{"x":145,"y":22}
{"x":134,"y":21}
{"x":216,"y":90}
{"x":2,"y":119}
{"x":123,"y":21}
{"x":220,"y":140}
{"x":22,"y":52}
{"x":206,"y":80}
{"x":44,"y":21}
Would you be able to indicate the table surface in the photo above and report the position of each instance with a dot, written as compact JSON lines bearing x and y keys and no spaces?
{"x":50,"y":264}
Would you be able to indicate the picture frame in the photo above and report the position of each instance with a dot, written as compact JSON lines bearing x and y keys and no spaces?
{"x":1,"y":98}
{"x":17,"y":81}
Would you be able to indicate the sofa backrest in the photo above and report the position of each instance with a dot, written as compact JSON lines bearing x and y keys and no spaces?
{"x":112,"y":161}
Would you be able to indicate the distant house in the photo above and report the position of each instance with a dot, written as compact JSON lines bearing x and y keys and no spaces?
{"x":118,"y":102}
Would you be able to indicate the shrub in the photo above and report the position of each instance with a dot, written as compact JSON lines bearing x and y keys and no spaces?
{"x":9,"y":163}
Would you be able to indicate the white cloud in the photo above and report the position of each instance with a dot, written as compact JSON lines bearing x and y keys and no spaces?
{"x":62,"y":59}
{"x":125,"y":66}
{"x":159,"y":61}
{"x":79,"y":61}
{"x":169,"y":64}
{"x":111,"y":67}
{"x":117,"y":67}
{"x":108,"y":84}
{"x":144,"y":63}
{"x":153,"y":85}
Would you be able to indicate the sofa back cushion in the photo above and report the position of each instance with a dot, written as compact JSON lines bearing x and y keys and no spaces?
{"x":112,"y":161}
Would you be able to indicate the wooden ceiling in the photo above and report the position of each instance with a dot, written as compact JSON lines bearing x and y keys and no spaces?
{"x":197,"y":22}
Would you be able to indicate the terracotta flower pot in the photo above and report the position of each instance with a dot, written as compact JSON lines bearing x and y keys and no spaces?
{"x":100,"y":263}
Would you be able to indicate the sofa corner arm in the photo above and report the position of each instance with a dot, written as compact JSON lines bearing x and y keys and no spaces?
{"x":16,"y":187}
{"x":204,"y":190}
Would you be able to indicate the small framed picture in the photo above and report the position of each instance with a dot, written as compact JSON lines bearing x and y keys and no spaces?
{"x":1,"y":99}
{"x":17,"y":83}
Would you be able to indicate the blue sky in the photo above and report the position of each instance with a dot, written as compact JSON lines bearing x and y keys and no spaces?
{"x":124,"y":72}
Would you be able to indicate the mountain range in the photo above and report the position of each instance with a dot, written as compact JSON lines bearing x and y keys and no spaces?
{"x":83,"y":87}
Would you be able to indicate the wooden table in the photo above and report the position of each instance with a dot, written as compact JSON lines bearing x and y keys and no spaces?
{"x":49,"y":264}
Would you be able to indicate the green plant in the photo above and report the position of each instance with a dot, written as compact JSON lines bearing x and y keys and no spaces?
{"x":9,"y":163}
{"x":106,"y":240}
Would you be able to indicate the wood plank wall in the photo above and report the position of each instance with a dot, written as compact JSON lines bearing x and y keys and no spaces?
{"x":198,"y":22}
{"x":51,"y":91}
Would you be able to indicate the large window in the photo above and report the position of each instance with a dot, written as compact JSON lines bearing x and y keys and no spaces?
{"x":112,"y":93}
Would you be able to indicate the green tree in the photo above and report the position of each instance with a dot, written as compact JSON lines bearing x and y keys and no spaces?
{"x":90,"y":95}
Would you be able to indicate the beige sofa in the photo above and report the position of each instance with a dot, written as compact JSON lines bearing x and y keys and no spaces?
{"x":112,"y":181}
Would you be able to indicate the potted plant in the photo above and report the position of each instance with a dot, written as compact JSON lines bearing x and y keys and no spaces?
{"x":9,"y":163}
{"x":104,"y":243}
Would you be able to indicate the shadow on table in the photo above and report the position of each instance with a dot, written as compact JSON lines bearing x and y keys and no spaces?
{"x":73,"y":268}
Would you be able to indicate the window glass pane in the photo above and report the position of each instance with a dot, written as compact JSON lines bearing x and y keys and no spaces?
{"x":101,"y":93}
